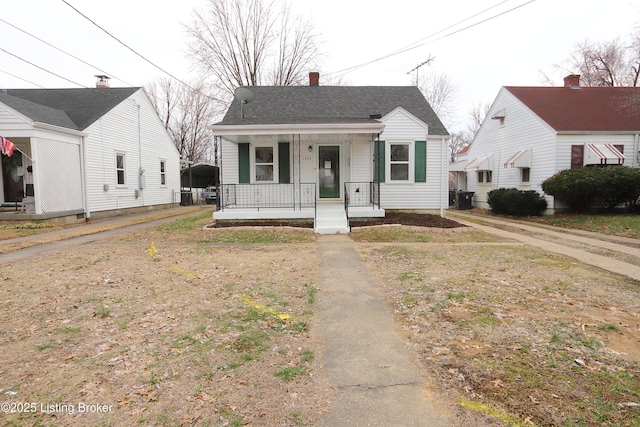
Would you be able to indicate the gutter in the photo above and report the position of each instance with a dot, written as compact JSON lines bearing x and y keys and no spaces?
{"x":316,"y":128}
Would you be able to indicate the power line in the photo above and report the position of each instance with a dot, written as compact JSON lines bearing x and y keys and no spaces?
{"x":415,"y":44}
{"x":134,"y":51}
{"x":43,"y":69}
{"x":20,"y":78}
{"x":66,"y":53}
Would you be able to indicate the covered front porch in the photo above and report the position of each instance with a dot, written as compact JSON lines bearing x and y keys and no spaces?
{"x":324,"y":174}
{"x":259,"y":202}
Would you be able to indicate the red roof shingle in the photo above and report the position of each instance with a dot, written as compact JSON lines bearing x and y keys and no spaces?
{"x":584,"y":108}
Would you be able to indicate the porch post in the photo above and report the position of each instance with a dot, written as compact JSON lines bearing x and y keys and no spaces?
{"x":297,"y":194}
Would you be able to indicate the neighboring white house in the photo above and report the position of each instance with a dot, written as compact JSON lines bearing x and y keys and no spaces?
{"x":85,"y":152}
{"x":531,"y":133}
{"x":285,"y":148}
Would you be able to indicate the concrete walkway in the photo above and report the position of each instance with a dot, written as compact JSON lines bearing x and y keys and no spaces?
{"x":587,"y":239}
{"x":377,"y":383}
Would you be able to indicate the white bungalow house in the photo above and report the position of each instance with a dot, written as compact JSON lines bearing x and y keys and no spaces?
{"x":531,"y":133}
{"x":84,"y":153}
{"x":329,"y":153}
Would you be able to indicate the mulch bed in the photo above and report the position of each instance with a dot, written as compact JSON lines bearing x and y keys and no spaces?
{"x":404,"y":218}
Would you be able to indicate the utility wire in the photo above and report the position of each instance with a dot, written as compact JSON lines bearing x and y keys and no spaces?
{"x":43,"y":69}
{"x":20,"y":78}
{"x":66,"y":53}
{"x":134,"y":51}
{"x":417,"y":44}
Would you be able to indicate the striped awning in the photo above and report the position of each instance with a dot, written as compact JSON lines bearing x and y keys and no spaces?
{"x":522,"y":159}
{"x":603,"y":154}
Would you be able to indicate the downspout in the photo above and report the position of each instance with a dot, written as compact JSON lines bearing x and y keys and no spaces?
{"x":636,"y":150}
{"x":444,"y":178}
{"x":83,"y":170}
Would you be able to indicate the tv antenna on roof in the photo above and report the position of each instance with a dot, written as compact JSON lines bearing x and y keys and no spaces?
{"x":245,"y":96}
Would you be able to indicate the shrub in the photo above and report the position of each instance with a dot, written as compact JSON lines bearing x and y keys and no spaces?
{"x":581,"y":188}
{"x":511,"y":201}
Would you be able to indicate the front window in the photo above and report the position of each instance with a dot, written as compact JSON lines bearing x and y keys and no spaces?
{"x":399,"y":162}
{"x":120,"y":169}
{"x":264,"y":164}
{"x":525,"y":174}
{"x":163,"y":172}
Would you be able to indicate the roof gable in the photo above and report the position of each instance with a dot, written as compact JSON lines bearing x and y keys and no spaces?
{"x":37,"y":112}
{"x":588,"y":109}
{"x":69,"y":108}
{"x":404,"y":113}
{"x":331,"y":104}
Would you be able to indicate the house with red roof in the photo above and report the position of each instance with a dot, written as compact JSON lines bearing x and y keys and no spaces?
{"x":531,"y":133}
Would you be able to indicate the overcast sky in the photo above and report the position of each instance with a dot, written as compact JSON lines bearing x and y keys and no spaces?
{"x":512,"y":48}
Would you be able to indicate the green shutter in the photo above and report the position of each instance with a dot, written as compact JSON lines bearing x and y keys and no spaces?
{"x":244,"y":165}
{"x":420,"y":161}
{"x":378,"y":161}
{"x":284,"y":174}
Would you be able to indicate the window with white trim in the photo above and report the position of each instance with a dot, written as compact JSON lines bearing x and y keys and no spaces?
{"x":163,"y":173}
{"x":525,"y":175}
{"x":264,"y":164}
{"x":399,"y":162}
{"x":121,"y":168}
{"x":485,"y":176}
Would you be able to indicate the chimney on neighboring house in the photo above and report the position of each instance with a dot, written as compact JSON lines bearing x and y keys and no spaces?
{"x":572,"y":81}
{"x":102,"y":82}
{"x":314,"y":78}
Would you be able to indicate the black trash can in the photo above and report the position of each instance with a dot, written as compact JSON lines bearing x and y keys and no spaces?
{"x":464,"y":199}
{"x":186,"y":199}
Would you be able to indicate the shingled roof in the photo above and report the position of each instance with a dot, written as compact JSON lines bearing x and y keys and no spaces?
{"x":69,"y":108}
{"x":588,"y":109}
{"x":331,"y":104}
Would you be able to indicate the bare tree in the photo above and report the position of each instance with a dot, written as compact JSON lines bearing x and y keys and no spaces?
{"x":440,"y":91}
{"x":186,"y":113}
{"x":604,"y":64}
{"x":252,"y":42}
{"x":461,"y":139}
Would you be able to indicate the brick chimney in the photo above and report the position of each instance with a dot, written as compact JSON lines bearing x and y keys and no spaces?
{"x":314,"y":78}
{"x":572,"y":81}
{"x":102,"y":82}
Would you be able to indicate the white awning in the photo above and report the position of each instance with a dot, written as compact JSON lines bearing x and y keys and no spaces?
{"x":603,"y":154}
{"x":458,"y":166}
{"x":479,"y":164}
{"x":522,"y":159}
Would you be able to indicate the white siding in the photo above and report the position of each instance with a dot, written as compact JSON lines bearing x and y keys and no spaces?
{"x":361,"y":161}
{"x":400,"y":126}
{"x":145,"y":142}
{"x":522,"y":129}
{"x":229,"y":159}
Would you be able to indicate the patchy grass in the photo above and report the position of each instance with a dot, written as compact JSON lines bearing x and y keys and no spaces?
{"x":518,"y":334}
{"x":398,"y":235}
{"x":274,"y":235}
{"x":164,"y":340}
{"x":615,"y":224}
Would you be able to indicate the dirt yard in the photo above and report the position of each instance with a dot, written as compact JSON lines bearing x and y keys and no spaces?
{"x":178,"y":325}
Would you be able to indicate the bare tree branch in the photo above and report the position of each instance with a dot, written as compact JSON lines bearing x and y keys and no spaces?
{"x":252,"y":42}
{"x":186,"y":115}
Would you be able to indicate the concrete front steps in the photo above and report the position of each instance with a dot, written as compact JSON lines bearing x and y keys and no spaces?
{"x":331,"y":218}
